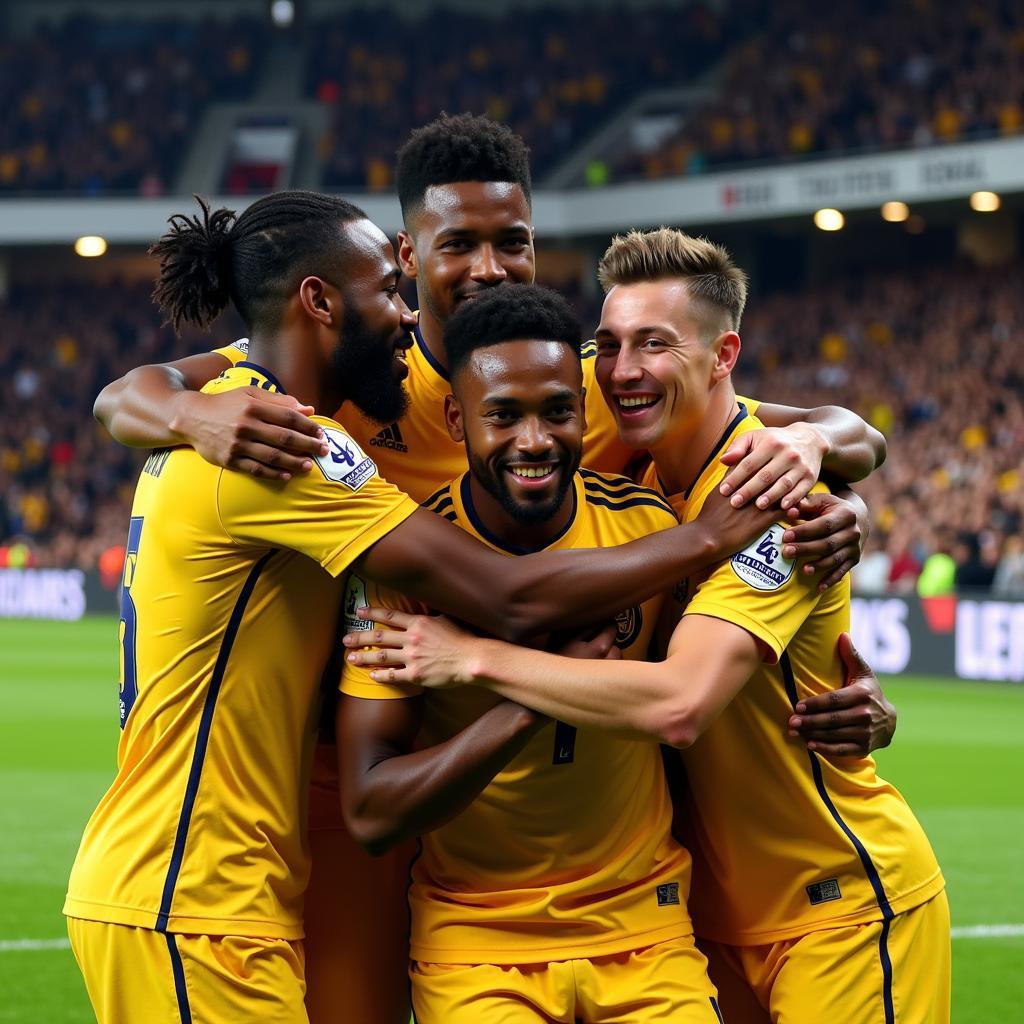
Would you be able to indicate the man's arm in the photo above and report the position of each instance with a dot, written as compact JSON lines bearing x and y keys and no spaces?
{"x":248,"y":429}
{"x":432,"y":561}
{"x":782,"y":462}
{"x":672,"y":701}
{"x":391,"y":792}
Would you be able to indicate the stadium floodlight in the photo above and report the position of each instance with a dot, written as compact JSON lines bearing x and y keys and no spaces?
{"x":829,"y":220}
{"x":985,"y":202}
{"x":90,"y":245}
{"x":895,"y":212}
{"x":282,"y":13}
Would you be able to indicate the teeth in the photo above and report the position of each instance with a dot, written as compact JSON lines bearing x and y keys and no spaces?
{"x":531,"y":472}
{"x":632,"y":403}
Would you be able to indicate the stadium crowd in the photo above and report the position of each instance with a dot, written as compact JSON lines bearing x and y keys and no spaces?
{"x":93,"y":106}
{"x":841,"y":77}
{"x":931,"y":358}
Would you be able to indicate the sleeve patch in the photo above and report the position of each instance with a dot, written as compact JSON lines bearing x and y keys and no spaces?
{"x":345,"y":462}
{"x":761,"y":565}
{"x":355,"y":598}
{"x":242,"y":345}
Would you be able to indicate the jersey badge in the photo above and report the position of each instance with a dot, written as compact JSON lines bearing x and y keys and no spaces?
{"x":761,"y":564}
{"x":345,"y":462}
{"x":628,"y":624}
{"x":668,"y":894}
{"x":355,"y":598}
{"x":824,"y":892}
{"x":242,"y":345}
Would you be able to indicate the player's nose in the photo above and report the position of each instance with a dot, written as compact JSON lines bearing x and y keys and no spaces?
{"x":487,"y":267}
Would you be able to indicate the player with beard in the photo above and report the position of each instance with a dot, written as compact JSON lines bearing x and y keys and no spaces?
{"x":549,"y":886}
{"x":192,"y":868}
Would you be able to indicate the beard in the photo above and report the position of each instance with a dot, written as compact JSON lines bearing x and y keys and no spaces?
{"x":529,"y":512}
{"x":363,"y":365}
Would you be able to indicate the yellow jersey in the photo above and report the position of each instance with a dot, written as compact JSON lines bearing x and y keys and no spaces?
{"x":568,"y":852}
{"x":230,"y":613}
{"x":784,"y":841}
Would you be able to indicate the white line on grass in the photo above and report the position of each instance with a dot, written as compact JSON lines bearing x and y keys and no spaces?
{"x":976,"y":931}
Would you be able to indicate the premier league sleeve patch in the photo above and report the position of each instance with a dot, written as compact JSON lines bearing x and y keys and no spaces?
{"x":345,"y":462}
{"x":761,"y":565}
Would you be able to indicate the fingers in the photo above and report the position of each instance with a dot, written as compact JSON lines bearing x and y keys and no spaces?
{"x":377,"y":658}
{"x":789,"y":489}
{"x":834,"y":700}
{"x":262,"y":460}
{"x":391,"y":617}
{"x":796,"y":544}
{"x":838,"y":573}
{"x":828,"y":725}
{"x":733,"y":454}
{"x":837,"y":749}
{"x":745,"y":481}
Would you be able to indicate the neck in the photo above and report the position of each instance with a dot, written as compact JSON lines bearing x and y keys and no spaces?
{"x":432,"y":333}
{"x":294,"y":359}
{"x":678,"y":458}
{"x":510,"y":531}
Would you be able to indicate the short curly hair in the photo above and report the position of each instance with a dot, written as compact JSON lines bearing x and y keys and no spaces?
{"x":510,"y":312}
{"x":455,"y":148}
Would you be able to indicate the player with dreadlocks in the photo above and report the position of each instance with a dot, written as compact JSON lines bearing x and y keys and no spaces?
{"x":185,"y":899}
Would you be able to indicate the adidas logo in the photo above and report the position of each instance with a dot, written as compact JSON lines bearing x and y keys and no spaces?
{"x":390,"y":437}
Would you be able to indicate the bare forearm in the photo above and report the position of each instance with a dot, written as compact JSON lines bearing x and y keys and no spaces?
{"x":631,"y":697}
{"x":852,"y":449}
{"x":139,"y":409}
{"x":409,"y":794}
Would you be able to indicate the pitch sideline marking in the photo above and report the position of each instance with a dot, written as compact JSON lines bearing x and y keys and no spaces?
{"x":976,"y":931}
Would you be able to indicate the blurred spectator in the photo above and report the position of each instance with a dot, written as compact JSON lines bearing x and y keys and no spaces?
{"x":811,"y":79}
{"x":93,"y":106}
{"x":1009,"y":577}
{"x":871,"y":575}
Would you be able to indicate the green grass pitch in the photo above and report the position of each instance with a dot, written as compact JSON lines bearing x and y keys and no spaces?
{"x":958,"y":758}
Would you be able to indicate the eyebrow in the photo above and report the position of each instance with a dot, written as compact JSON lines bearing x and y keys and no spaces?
{"x":558,"y":396}
{"x":653,"y":329}
{"x":520,"y":228}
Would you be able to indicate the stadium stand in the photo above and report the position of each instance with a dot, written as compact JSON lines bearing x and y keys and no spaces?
{"x":93,"y":106}
{"x":850,"y":77}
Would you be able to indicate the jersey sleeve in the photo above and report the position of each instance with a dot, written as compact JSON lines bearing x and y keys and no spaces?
{"x":332,"y":514}
{"x":761,"y":591}
{"x":355,"y":679}
{"x":236,"y":352}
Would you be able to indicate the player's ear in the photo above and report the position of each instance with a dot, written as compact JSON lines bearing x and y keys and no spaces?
{"x":583,"y":409}
{"x":406,"y":254}
{"x":727,"y":351}
{"x":321,"y":301}
{"x":453,"y":419}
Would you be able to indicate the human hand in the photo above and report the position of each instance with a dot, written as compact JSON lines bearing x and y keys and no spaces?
{"x":426,"y":650}
{"x":774,"y":465}
{"x":253,"y":431}
{"x":832,"y":536}
{"x":851,"y":721}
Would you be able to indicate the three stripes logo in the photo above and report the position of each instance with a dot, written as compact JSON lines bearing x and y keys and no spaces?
{"x":391,"y":438}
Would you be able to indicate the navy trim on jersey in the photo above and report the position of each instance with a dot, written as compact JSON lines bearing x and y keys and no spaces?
{"x":588,"y":350}
{"x":437,"y":495}
{"x":512,"y":549}
{"x":203,"y":739}
{"x":178,"y":970}
{"x":264,"y":371}
{"x":428,"y":355}
{"x":865,"y":858}
{"x":733,"y":424}
{"x":595,"y":488}
{"x":442,"y":506}
{"x":636,"y":502}
{"x":718,"y":1012}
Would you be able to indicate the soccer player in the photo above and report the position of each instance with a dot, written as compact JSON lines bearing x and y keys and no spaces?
{"x":815,"y":889}
{"x":465,"y":188}
{"x":185,"y":900}
{"x":549,"y":886}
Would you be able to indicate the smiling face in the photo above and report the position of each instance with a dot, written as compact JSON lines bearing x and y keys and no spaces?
{"x":518,"y":407}
{"x":657,"y":360}
{"x":465,"y":238}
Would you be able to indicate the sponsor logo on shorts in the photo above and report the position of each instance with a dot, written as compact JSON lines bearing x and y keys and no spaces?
{"x":668,"y":894}
{"x":761,"y":565}
{"x":824,"y":891}
{"x":345,"y":462}
{"x":390,"y":438}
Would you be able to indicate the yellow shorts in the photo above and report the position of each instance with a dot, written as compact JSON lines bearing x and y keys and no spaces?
{"x":136,"y":974}
{"x":666,"y":983}
{"x":878,"y":973}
